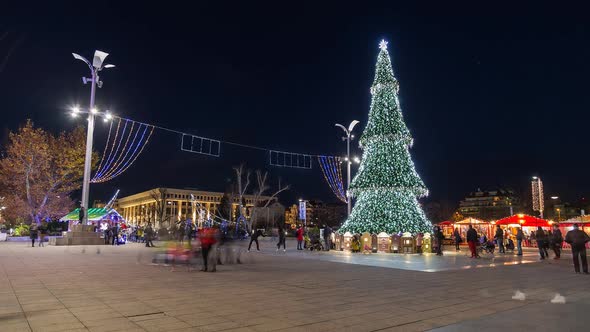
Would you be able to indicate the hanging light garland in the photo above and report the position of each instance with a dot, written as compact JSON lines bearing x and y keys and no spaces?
{"x":331,"y":169}
{"x":120,"y":159}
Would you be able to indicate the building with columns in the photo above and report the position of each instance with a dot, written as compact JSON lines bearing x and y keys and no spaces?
{"x":177,"y":204}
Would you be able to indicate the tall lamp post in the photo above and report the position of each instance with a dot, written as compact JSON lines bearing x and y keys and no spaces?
{"x":95,"y":67}
{"x":349,"y":136}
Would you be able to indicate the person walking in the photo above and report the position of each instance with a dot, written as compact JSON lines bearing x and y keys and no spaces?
{"x":577,"y":239}
{"x":299,"y":234}
{"x":254,"y":238}
{"x":500,"y":239}
{"x":457,"y":238}
{"x":33,"y":234}
{"x":207,"y":236}
{"x":557,"y":241}
{"x":327,"y":237}
{"x":519,"y":238}
{"x":472,"y":240}
{"x":541,"y":242}
{"x":281,"y":234}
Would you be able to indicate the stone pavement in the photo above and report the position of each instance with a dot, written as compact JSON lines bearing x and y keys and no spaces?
{"x":77,"y":289}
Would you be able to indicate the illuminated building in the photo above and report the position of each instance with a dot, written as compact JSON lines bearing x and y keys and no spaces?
{"x":489,"y":205}
{"x":142,"y":207}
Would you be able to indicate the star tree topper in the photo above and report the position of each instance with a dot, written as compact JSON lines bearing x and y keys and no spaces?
{"x":383,"y":45}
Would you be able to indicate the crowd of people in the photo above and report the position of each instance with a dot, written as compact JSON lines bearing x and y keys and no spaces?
{"x":545,"y":241}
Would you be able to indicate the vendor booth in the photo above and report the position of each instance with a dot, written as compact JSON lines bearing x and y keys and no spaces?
{"x":482,"y":227}
{"x":529,"y":225}
{"x":96,"y":216}
{"x":567,"y":225}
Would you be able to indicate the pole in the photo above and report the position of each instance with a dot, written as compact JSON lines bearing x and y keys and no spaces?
{"x":88,"y":159}
{"x":349,"y":201}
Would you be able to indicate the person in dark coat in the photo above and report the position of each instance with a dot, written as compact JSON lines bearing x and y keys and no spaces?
{"x":577,"y":239}
{"x":327,"y":237}
{"x":438,"y":234}
{"x":254,"y":238}
{"x":33,"y":234}
{"x":519,"y":238}
{"x":115,"y":231}
{"x":457,"y":238}
{"x":282,"y":239}
{"x":541,"y":242}
{"x":557,"y":241}
{"x":149,"y":235}
{"x":500,"y":239}
{"x":472,"y":240}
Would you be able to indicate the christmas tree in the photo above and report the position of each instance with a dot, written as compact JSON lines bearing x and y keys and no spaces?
{"x":386,"y":186}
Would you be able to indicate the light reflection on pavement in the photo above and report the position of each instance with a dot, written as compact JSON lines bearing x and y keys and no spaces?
{"x":451,"y":260}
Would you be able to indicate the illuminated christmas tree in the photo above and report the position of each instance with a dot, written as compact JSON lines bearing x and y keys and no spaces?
{"x":386,"y":186}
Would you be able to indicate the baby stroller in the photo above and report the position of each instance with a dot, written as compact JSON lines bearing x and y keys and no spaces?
{"x":510,"y":245}
{"x":316,"y":244}
{"x":487,"y":247}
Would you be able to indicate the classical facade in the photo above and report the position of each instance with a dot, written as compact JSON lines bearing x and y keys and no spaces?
{"x":177,"y":205}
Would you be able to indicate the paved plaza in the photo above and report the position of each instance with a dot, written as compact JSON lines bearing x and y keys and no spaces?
{"x":117,"y":289}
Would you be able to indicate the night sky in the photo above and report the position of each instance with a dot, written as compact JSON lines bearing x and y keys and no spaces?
{"x":492,"y":96}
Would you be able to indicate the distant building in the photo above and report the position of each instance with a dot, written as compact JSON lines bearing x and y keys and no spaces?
{"x":489,"y":205}
{"x":142,"y":207}
{"x":317,"y":213}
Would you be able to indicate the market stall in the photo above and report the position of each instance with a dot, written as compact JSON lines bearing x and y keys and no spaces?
{"x":482,"y":227}
{"x":567,"y":225}
{"x":529,"y":225}
{"x":96,"y":216}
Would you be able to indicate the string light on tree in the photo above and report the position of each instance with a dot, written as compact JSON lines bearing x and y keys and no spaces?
{"x":386,"y":185}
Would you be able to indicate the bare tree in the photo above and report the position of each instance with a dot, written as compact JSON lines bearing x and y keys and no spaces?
{"x":262,"y":188}
{"x":242,"y":187}
{"x":159,"y":195}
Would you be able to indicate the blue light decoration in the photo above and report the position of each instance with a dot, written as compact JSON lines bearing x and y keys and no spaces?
{"x":331,"y":169}
{"x":120,"y":159}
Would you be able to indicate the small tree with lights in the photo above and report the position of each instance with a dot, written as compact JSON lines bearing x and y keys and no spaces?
{"x":386,"y":186}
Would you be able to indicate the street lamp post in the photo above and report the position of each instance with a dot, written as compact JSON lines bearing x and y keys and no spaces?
{"x":347,"y":138}
{"x":95,"y":67}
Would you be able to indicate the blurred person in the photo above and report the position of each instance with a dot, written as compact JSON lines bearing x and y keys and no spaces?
{"x":541,"y":242}
{"x":282,"y":235}
{"x":327,"y":236}
{"x":299,"y":234}
{"x":519,"y":237}
{"x":439,"y":238}
{"x":419,"y":239}
{"x":254,"y":238}
{"x":457,"y":238}
{"x":33,"y":233}
{"x":472,"y":240}
{"x":557,"y":241}
{"x":577,"y":239}
{"x":500,"y":239}
{"x":149,"y":235}
{"x":207,"y":237}
{"x":115,"y":234}
{"x":42,"y":233}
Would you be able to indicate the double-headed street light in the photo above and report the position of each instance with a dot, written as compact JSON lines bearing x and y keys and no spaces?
{"x":349,"y":136}
{"x":95,"y":67}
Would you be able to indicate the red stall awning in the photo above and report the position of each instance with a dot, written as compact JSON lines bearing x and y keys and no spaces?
{"x":524,"y":220}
